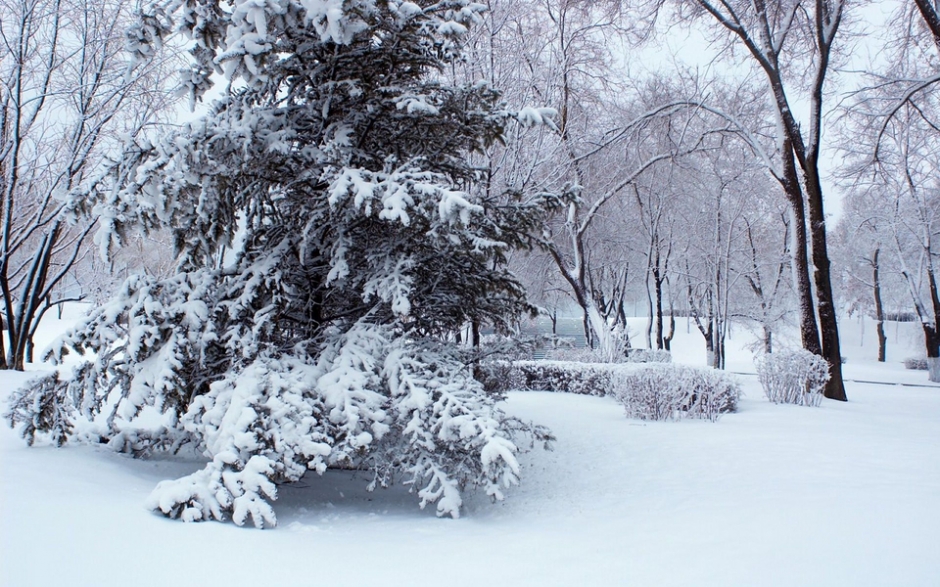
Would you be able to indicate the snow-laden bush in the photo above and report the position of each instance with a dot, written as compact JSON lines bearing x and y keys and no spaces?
{"x":915,"y":363}
{"x":560,"y":376}
{"x":793,"y":377}
{"x":648,"y":356}
{"x":575,"y":355}
{"x":653,"y":391}
{"x":630,"y":355}
{"x":669,"y":392}
{"x":37,"y":408}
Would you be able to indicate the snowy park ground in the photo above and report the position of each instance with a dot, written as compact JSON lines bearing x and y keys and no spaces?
{"x":845,"y":494}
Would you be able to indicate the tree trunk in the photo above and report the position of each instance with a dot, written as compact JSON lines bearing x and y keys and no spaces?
{"x":667,"y":340}
{"x":659,"y":313}
{"x":932,"y":345}
{"x":933,"y":369}
{"x":809,"y":331}
{"x":607,"y":344}
{"x":3,"y":354}
{"x":720,"y":347}
{"x":828,"y":322}
{"x":29,"y":305}
{"x":879,"y":307}
{"x":711,"y":356}
{"x":586,"y":325}
{"x":595,"y":327}
{"x":768,"y":340}
{"x":931,"y":332}
{"x":649,"y":322}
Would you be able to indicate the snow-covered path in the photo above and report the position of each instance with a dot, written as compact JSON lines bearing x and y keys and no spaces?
{"x":846,"y":494}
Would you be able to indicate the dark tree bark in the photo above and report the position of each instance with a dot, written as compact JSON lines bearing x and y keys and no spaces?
{"x":932,"y":346}
{"x":879,"y":307}
{"x":809,"y":330}
{"x":932,"y":329}
{"x":667,"y":339}
{"x":658,"y":286}
{"x":825,"y":306}
{"x":931,"y":19}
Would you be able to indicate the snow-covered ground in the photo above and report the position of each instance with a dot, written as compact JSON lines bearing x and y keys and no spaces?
{"x":845,"y":494}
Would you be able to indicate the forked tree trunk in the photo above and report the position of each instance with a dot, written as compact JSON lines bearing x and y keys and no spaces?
{"x":809,"y":331}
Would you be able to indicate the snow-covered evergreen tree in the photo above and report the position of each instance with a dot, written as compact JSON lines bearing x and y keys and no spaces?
{"x":328,"y":244}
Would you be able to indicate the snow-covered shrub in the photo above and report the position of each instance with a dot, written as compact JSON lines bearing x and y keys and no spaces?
{"x":500,"y":376}
{"x":509,"y":347}
{"x":793,"y":377}
{"x":648,"y":356}
{"x":666,"y":392}
{"x":331,"y":241}
{"x":653,"y":391}
{"x":562,"y":342}
{"x":630,"y":355}
{"x":559,"y":376}
{"x":576,"y":355}
{"x":915,"y":363}
{"x":40,"y":407}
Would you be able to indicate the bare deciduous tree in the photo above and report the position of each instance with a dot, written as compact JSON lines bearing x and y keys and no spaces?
{"x":68,"y":94}
{"x":907,"y":176}
{"x":791,"y":43}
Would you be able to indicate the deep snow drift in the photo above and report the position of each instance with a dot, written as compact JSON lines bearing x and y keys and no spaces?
{"x":844,"y":494}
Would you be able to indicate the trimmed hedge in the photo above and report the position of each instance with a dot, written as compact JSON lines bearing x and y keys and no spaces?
{"x":588,"y":355}
{"x":651,"y":391}
{"x":648,"y":356}
{"x":561,"y":376}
